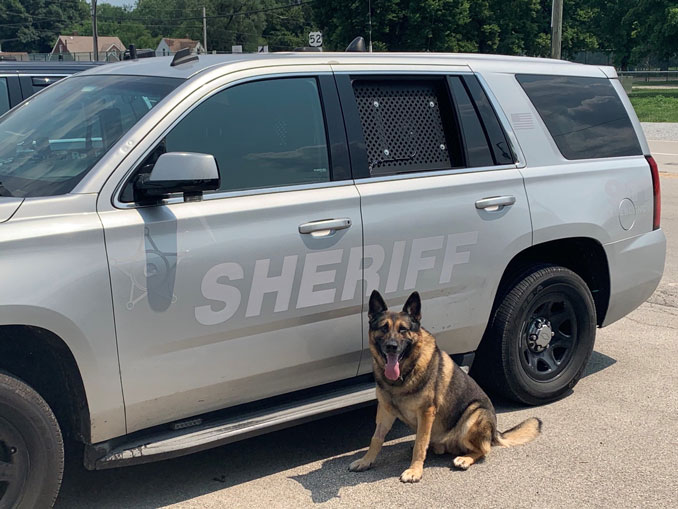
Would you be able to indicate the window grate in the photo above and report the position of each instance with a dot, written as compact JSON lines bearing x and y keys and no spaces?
{"x":402,"y":125}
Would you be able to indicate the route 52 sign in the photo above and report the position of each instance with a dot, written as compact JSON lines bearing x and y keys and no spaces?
{"x":315,"y":39}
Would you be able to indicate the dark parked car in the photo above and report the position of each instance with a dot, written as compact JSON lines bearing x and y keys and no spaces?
{"x":20,"y":80}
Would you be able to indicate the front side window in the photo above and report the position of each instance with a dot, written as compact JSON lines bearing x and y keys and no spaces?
{"x":585,"y":116}
{"x":50,"y":142}
{"x":262,"y":134}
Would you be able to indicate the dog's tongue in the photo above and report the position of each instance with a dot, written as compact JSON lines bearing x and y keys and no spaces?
{"x":392,"y":370}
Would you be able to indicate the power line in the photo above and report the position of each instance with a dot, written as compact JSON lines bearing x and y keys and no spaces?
{"x":155,"y":18}
{"x":218,"y":16}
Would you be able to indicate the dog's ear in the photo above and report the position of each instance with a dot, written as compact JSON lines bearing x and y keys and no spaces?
{"x":377,"y":305}
{"x":413,"y":306}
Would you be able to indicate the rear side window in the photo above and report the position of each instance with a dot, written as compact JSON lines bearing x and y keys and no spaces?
{"x":408,"y":125}
{"x":40,"y":82}
{"x":4,"y":96}
{"x":477,"y":147}
{"x":585,"y":116}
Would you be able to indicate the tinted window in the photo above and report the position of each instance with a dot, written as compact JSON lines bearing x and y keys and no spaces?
{"x":40,"y":82}
{"x":4,"y":96}
{"x":477,"y":148}
{"x":408,"y":125}
{"x":585,"y":116}
{"x":262,"y":134}
{"x":498,"y":142}
{"x":50,"y":142}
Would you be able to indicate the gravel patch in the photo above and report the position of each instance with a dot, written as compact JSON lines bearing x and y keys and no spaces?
{"x":660,"y":130}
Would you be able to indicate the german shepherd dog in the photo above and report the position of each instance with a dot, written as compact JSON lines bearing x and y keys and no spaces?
{"x":420,"y":385}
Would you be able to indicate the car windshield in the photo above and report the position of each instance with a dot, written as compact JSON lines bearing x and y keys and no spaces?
{"x":50,"y":142}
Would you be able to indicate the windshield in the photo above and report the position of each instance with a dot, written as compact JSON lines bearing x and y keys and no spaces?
{"x":50,"y":142}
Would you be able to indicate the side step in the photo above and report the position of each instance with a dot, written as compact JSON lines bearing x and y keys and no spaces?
{"x":165,"y":444}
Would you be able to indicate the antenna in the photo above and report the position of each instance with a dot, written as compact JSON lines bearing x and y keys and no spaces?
{"x":357,"y":44}
{"x":183,"y":56}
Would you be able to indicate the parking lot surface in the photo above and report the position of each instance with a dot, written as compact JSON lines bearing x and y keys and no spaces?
{"x":612,"y":442}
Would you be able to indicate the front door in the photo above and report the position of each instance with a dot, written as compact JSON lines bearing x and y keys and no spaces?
{"x":240,"y":296}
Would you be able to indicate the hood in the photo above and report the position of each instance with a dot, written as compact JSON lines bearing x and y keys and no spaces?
{"x":8,"y":206}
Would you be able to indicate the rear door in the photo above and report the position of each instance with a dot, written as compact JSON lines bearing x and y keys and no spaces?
{"x":443,"y":205}
{"x":242,"y":295}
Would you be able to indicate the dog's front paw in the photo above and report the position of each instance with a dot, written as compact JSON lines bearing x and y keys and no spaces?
{"x":359,"y":465}
{"x":411,"y":475}
{"x":463,"y":462}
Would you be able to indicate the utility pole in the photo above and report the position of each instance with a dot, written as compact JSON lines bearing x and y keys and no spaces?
{"x":369,"y":9}
{"x":204,"y":30}
{"x":556,"y":27}
{"x":95,"y":40}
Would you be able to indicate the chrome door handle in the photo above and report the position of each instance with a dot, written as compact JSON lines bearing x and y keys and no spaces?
{"x":495,"y":203}
{"x":327,"y":226}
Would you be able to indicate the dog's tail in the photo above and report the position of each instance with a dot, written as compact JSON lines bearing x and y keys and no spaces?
{"x":525,"y":432}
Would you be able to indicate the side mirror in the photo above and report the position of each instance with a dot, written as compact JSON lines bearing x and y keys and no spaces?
{"x":178,"y":172}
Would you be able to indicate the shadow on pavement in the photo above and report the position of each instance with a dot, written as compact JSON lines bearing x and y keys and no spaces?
{"x":180,"y":479}
{"x":177,"y":480}
{"x":325,"y":482}
{"x":598,"y":362}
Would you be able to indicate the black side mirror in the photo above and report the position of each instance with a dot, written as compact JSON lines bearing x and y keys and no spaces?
{"x":178,"y":172}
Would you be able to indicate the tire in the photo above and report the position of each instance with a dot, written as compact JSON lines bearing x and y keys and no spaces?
{"x":31,"y":447}
{"x":540,"y":336}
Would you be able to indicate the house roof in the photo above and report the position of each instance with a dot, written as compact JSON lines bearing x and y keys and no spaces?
{"x":83,"y":43}
{"x":177,"y":44}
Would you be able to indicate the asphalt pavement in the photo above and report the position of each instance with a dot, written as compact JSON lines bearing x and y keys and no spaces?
{"x":612,"y":442}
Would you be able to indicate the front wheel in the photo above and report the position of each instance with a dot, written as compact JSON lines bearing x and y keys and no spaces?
{"x":540,"y":337}
{"x":31,"y":447}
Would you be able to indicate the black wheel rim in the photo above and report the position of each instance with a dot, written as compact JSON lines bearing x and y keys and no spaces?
{"x":549,"y":335}
{"x":14,"y":464}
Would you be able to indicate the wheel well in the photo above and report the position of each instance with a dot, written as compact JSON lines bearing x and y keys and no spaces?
{"x":582,"y":255}
{"x":42,"y":360}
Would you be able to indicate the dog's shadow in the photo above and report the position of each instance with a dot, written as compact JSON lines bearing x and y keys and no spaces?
{"x":325,"y":482}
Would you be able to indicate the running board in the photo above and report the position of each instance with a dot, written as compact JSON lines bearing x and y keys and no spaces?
{"x":165,"y":444}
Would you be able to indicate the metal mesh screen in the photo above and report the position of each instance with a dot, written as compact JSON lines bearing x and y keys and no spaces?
{"x":403,"y":126}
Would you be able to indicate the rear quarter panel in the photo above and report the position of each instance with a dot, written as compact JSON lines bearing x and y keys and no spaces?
{"x":609,"y":200}
{"x":573,"y":197}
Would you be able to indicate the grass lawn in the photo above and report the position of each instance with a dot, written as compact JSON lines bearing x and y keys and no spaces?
{"x":655,"y":105}
{"x":658,"y":83}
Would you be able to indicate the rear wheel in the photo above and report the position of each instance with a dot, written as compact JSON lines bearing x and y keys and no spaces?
{"x":31,"y":447}
{"x":540,"y":337}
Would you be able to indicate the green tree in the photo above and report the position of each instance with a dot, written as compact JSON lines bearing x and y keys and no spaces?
{"x":229,"y":22}
{"x":654,"y":28}
{"x":579,"y":27}
{"x":239,"y":22}
{"x":121,"y":22}
{"x":34,"y":25}
{"x":288,"y":28}
{"x":397,"y":25}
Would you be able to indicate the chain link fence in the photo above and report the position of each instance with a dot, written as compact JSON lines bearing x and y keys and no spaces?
{"x":104,"y":56}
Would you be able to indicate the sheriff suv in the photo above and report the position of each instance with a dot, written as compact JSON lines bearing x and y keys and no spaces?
{"x":186,"y":245}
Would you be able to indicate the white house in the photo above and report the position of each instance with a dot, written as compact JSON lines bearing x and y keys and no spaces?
{"x":169,"y":46}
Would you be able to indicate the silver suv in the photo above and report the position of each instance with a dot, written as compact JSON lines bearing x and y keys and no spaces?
{"x":186,"y":245}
